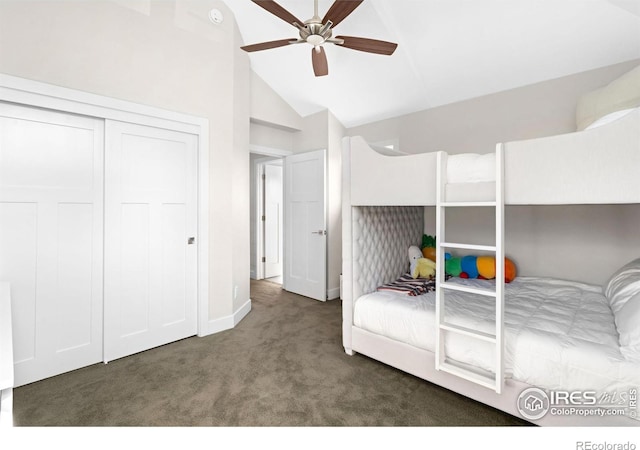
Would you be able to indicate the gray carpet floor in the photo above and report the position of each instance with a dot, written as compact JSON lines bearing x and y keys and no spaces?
{"x":283,"y":365}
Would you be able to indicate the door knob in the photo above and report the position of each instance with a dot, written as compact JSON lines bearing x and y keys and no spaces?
{"x":320,"y":232}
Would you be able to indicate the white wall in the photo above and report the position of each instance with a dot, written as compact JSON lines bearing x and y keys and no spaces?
{"x":164,"y":54}
{"x":314,"y":133}
{"x":268,"y":108}
{"x":238,"y":220}
{"x":476,"y":125}
{"x":577,"y":242}
{"x":334,"y":204}
{"x":265,"y":135}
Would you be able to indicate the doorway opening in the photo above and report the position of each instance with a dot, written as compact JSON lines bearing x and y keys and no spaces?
{"x":271,"y":229}
{"x":267,"y":207}
{"x":288,"y":220}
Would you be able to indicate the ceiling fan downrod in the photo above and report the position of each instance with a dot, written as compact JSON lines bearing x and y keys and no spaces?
{"x":315,"y":32}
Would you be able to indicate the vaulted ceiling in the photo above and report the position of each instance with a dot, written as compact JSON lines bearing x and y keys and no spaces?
{"x":448,"y":50}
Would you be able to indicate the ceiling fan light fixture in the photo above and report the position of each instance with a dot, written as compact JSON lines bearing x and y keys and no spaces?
{"x":315,"y":40}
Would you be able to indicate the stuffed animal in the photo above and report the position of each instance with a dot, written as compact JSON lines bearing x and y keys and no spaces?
{"x":478,"y":267}
{"x":420,"y":267}
{"x":429,"y":247}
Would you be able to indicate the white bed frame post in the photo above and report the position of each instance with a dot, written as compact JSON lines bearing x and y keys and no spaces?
{"x":500,"y":273}
{"x":440,"y":251}
{"x":347,"y":251}
{"x":493,"y":380}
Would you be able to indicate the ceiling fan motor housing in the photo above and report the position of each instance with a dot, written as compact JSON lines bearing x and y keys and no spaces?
{"x":315,"y":33}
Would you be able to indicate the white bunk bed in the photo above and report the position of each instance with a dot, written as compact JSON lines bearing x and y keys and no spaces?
{"x":579,"y":349}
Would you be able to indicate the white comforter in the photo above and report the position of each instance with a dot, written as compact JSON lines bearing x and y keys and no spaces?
{"x":558,"y":334}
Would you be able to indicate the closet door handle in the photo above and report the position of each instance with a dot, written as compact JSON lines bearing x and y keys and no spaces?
{"x":320,"y":232}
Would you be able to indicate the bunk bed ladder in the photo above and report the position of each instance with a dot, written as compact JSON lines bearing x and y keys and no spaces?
{"x":491,"y":379}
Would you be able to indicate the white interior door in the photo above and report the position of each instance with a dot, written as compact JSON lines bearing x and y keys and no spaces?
{"x":305,"y":259}
{"x":273,"y":231}
{"x":150,"y":232}
{"x":51,"y":234}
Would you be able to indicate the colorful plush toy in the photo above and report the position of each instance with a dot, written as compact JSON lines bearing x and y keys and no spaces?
{"x":420,"y":267}
{"x":429,"y":247}
{"x":478,"y":267}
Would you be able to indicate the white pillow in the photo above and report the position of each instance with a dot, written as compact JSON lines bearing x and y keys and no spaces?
{"x":610,"y":118}
{"x":628,"y":325}
{"x":471,"y":168}
{"x":621,"y":93}
{"x":623,"y":285}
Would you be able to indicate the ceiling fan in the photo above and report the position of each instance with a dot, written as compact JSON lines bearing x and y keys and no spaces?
{"x":317,"y":31}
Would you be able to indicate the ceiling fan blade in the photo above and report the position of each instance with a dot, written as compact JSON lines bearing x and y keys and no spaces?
{"x":319,"y":59}
{"x":340,"y":10}
{"x":266,"y":45}
{"x":278,"y":11}
{"x":367,"y":45}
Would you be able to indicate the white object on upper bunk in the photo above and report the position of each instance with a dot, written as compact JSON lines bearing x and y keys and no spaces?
{"x":471,"y":168}
{"x":622,"y":93}
{"x":610,"y":118}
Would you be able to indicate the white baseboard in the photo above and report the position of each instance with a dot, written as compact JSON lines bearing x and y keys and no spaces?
{"x":227,"y":322}
{"x":333,"y":293}
{"x":241,"y":312}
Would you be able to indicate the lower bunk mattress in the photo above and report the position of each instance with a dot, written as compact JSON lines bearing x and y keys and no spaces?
{"x":559,"y":335}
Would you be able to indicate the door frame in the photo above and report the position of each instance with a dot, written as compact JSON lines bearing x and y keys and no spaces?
{"x":258,"y":164}
{"x":43,"y":95}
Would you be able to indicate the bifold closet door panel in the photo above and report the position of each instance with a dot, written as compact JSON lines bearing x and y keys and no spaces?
{"x":150,"y":216}
{"x":51,"y":237}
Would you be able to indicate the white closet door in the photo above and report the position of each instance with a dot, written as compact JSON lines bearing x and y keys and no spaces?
{"x":150,"y":216}
{"x":51,"y":234}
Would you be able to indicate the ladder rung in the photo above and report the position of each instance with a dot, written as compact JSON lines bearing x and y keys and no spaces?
{"x":488,"y":381}
{"x":468,"y":289}
{"x":463,"y":204}
{"x":487,"y":248}
{"x":488,"y":337}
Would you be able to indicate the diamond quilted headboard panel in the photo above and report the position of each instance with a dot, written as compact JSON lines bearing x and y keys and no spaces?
{"x":381,"y":237}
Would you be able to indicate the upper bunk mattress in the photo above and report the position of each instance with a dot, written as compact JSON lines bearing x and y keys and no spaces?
{"x":558,"y":334}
